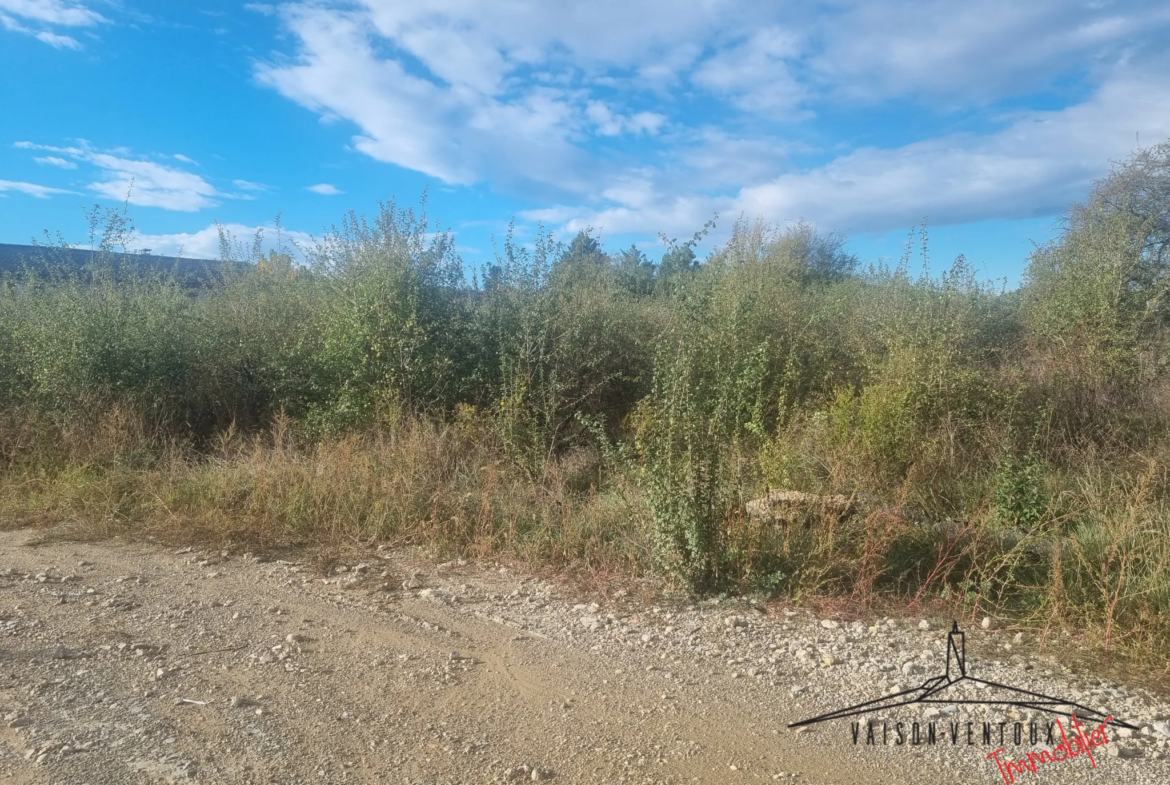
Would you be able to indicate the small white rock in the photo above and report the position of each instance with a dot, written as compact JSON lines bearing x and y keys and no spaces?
{"x":1125,"y":753}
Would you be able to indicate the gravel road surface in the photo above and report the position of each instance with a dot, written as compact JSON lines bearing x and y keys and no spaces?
{"x":139,"y":664}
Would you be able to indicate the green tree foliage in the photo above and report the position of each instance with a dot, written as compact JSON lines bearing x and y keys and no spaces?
{"x":635,"y":273}
{"x":1095,"y":299}
{"x":396,"y":317}
{"x":583,"y":261}
{"x":677,"y":261}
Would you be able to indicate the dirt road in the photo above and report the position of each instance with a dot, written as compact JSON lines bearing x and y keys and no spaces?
{"x":132,"y":663}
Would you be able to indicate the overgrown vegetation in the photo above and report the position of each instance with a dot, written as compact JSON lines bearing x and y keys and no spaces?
{"x":1006,"y":450}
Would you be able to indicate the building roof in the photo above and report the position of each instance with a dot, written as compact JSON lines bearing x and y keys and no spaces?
{"x":15,"y":259}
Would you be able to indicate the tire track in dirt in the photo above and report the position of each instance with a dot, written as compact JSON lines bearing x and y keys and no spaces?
{"x":470,"y":676}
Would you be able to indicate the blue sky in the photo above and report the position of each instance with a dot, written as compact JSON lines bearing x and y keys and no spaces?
{"x":633,"y":117}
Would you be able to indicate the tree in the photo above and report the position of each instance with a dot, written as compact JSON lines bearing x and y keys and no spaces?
{"x":812,"y":256}
{"x":635,"y":272}
{"x":1096,"y":297}
{"x":676,"y":260}
{"x":584,"y":252}
{"x":680,"y":261}
{"x":1139,"y":191}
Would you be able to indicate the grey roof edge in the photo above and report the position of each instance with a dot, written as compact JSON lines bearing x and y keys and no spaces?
{"x":15,"y":259}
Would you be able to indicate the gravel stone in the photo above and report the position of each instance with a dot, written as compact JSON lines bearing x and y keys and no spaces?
{"x":473,"y":677}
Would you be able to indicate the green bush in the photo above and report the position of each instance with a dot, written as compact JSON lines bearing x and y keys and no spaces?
{"x":981,"y":431}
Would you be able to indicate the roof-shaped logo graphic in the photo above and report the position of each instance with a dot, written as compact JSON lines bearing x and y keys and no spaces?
{"x":932,"y":691}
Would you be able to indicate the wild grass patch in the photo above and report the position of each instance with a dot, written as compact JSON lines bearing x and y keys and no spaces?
{"x":1005,"y":451}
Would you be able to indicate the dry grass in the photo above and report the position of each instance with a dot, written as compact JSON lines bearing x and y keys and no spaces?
{"x":446,"y":487}
{"x":1102,"y":577}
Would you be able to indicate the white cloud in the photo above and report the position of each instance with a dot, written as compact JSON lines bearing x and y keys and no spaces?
{"x":58,"y":41}
{"x":1035,"y":166}
{"x":511,"y":95}
{"x":52,"y":160}
{"x":981,"y":49}
{"x":25,"y":145}
{"x":713,"y":158}
{"x":593,"y":34}
{"x":467,"y":94}
{"x":147,"y":183}
{"x":53,"y":12}
{"x":205,"y":243}
{"x":152,"y":185}
{"x":8,"y":23}
{"x":712,"y":100}
{"x":47,"y":12}
{"x":183,"y":158}
{"x":609,"y":123}
{"x":247,"y":190}
{"x":674,"y":215}
{"x":454,"y":132}
{"x":756,"y":73}
{"x":32,"y":189}
{"x":325,"y":189}
{"x":455,"y":57}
